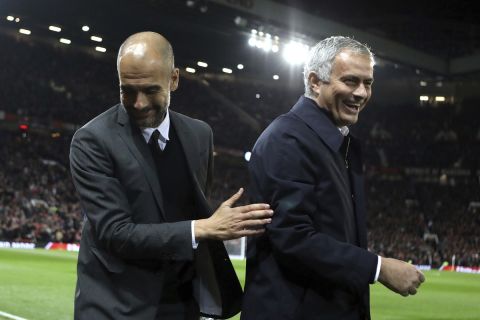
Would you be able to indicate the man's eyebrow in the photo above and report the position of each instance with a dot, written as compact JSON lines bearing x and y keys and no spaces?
{"x":142,"y":87}
{"x":354,"y":77}
{"x":155,"y":87}
{"x":350,"y":77}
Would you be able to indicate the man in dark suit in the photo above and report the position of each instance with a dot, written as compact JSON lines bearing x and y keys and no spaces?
{"x":312,"y":262}
{"x":151,"y":247}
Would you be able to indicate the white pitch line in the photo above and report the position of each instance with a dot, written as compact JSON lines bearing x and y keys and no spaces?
{"x":10,"y":316}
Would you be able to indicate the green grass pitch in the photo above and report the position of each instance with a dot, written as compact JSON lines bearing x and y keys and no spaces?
{"x":39,"y":285}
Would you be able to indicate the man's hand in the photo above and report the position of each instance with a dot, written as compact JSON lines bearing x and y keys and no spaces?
{"x":400,"y":277}
{"x":230,"y":222}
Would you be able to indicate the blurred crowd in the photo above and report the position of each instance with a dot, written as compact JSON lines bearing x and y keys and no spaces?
{"x":37,"y":199}
{"x":426,"y":223}
{"x":426,"y":220}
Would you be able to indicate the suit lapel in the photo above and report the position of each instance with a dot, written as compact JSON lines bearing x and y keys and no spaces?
{"x":190,"y":145}
{"x":318,"y":120}
{"x":186,"y":137}
{"x":139,"y":148}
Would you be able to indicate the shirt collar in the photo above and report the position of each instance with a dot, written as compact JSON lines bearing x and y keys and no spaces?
{"x":344,"y":130}
{"x":163,"y":128}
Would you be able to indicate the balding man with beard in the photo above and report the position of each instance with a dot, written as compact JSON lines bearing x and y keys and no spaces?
{"x":151,"y":247}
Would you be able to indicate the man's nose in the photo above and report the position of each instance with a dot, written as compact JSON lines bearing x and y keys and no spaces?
{"x":141,"y":101}
{"x":361,"y":91}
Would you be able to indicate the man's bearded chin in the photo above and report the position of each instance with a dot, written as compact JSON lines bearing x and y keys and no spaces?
{"x":155,"y":122}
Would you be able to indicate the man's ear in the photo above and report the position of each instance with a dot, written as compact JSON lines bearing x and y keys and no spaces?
{"x":314,"y":82}
{"x":174,"y":79}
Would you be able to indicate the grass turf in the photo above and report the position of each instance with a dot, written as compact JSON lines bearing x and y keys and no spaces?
{"x":39,"y":285}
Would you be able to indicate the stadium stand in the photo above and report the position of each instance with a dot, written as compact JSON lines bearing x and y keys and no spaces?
{"x":422,"y":162}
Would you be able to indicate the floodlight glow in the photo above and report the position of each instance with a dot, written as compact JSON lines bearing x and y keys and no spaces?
{"x":267,"y":44}
{"x":25,"y":31}
{"x":95,"y":38}
{"x":257,"y":96}
{"x":17,"y":19}
{"x":66,"y":41}
{"x":295,"y":53}
{"x":423,"y":98}
{"x":239,"y":66}
{"x":85,"y":28}
{"x":439,"y":99}
{"x":190,"y":70}
{"x":423,"y":83}
{"x":276,"y":77}
{"x":202,"y":64}
{"x":227,"y":70}
{"x":10,"y":18}
{"x":100,"y":49}
{"x":54,"y":28}
{"x":254,"y":31}
{"x":263,"y":41}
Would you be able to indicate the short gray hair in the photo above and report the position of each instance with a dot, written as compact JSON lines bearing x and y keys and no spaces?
{"x":321,"y":57}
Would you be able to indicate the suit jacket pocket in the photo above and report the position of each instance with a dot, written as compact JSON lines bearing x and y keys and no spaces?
{"x":111,"y":263}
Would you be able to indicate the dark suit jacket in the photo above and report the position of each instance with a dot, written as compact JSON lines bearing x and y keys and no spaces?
{"x":311,"y":263}
{"x":125,"y":240}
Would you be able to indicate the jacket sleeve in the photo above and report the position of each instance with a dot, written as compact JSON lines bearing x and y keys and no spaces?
{"x":285,"y":174}
{"x":105,"y":203}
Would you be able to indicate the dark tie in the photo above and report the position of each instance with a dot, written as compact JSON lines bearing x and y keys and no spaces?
{"x":153,"y":144}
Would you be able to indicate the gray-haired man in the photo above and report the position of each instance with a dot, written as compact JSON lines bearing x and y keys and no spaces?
{"x":312,"y":262}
